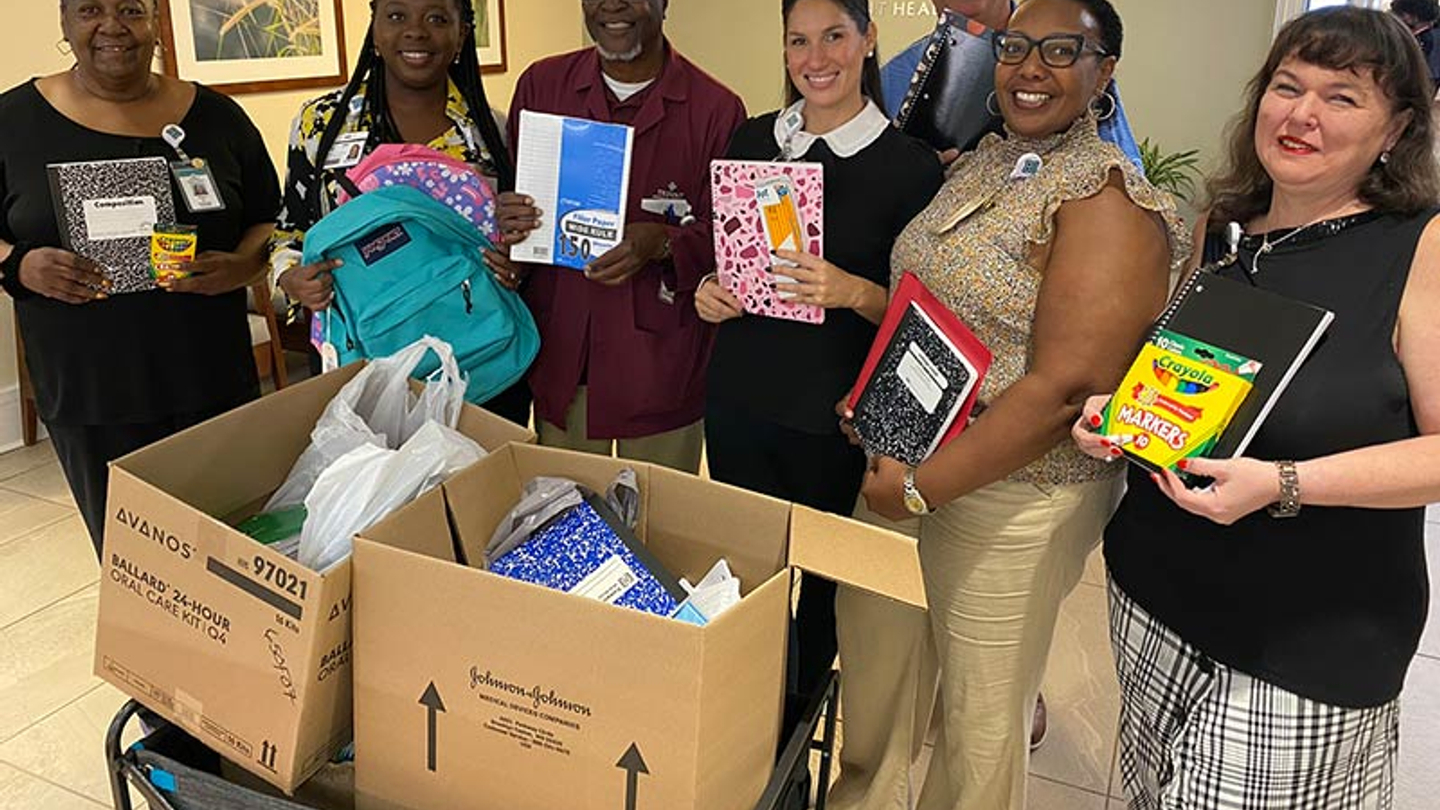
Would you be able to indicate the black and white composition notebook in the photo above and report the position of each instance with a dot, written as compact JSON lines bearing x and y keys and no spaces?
{"x":920,"y":379}
{"x":945,"y":105}
{"x":1278,"y":331}
{"x":106,"y":211}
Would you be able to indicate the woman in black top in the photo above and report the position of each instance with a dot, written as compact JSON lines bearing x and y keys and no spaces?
{"x":1261,"y":652}
{"x":113,"y":373}
{"x":770,"y":422}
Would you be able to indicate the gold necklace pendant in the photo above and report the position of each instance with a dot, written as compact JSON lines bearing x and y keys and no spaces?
{"x":975,"y":206}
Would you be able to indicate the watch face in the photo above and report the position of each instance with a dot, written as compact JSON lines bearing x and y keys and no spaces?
{"x":914,"y":502}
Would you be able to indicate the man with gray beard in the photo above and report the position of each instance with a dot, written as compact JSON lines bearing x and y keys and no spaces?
{"x":623,"y":354}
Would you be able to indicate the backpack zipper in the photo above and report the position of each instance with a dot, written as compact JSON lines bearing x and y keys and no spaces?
{"x":465,"y":290}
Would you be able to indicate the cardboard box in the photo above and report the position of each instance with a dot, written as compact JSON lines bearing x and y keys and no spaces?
{"x":477,"y":691}
{"x":244,"y":648}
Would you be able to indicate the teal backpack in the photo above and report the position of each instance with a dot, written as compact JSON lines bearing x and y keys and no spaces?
{"x":413,"y":268}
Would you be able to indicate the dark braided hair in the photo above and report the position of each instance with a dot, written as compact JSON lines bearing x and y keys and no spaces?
{"x":370,"y":71}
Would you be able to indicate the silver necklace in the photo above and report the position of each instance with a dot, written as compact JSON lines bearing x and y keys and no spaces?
{"x":1266,"y":245}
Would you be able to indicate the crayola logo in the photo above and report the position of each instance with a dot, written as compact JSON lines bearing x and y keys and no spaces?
{"x":1182,"y":379}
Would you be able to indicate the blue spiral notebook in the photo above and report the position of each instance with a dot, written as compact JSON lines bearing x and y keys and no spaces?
{"x":578,"y":173}
{"x":588,"y":551}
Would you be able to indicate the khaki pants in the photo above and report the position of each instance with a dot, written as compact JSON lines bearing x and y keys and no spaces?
{"x":997,"y":564}
{"x":677,"y":449}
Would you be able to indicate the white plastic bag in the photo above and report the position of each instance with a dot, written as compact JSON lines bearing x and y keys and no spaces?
{"x":370,"y":482}
{"x":377,"y":409}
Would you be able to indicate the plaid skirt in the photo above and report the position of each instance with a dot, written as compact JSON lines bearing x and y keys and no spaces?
{"x":1198,"y":735}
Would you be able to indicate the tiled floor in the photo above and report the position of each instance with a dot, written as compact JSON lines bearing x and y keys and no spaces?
{"x":53,"y":712}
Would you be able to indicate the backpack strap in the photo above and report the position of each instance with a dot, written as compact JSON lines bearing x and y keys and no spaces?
{"x":343,"y":180}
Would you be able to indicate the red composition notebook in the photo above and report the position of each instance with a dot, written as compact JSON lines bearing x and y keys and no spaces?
{"x":921,"y":378}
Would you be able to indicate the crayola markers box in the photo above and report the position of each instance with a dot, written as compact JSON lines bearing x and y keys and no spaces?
{"x":1176,"y":399}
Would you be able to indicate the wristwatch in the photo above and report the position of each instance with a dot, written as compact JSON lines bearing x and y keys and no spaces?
{"x":915,"y":503}
{"x":1289,"y":504}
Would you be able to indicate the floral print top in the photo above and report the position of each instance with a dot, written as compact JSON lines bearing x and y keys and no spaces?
{"x":461,"y":141}
{"x":974,"y":244}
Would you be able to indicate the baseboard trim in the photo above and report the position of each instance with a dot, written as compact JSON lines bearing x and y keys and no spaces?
{"x":12,"y":434}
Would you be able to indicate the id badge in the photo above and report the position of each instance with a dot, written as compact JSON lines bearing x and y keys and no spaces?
{"x":347,"y":150}
{"x":197,"y":186}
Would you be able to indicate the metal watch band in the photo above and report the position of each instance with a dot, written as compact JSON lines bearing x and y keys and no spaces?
{"x":915,"y":503}
{"x":1289,"y":503}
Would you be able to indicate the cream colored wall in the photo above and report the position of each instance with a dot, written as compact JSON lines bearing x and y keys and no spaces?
{"x":1185,"y":63}
{"x":535,"y":28}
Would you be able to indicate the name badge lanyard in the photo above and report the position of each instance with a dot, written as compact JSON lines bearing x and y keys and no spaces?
{"x":791,"y":124}
{"x":192,"y":175}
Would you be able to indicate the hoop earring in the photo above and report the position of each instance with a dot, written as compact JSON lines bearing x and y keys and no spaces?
{"x":1104,"y":113}
{"x":992,"y":104}
{"x":63,"y":46}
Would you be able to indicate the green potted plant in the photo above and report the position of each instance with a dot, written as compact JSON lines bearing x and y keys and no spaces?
{"x":1175,"y":172}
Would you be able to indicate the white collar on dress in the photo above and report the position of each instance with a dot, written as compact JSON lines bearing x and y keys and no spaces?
{"x":845,"y":140}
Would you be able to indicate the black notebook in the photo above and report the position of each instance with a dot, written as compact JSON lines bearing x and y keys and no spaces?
{"x":917,"y":391}
{"x":106,"y":211}
{"x":945,"y":105}
{"x":1279,"y":332}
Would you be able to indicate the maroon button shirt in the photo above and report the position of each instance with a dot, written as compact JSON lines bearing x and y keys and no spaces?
{"x":640,"y":347}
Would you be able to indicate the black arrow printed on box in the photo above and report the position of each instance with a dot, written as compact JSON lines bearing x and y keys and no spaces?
{"x":634,"y":765}
{"x":432,"y":702}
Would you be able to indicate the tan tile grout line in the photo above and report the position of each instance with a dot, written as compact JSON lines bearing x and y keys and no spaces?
{"x":42,"y":718}
{"x":52,"y":783}
{"x":87,"y":586}
{"x":53,"y":501}
{"x":42,"y":527}
{"x":1068,"y":785}
{"x":27,"y":470}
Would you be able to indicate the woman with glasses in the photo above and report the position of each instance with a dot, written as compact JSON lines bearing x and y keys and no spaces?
{"x":1263,"y":626}
{"x":1053,"y":249}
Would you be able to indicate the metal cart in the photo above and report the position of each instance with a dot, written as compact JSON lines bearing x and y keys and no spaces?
{"x":172,"y":771}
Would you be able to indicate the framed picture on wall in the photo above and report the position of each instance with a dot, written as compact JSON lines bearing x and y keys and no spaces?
{"x":251,"y":46}
{"x":490,"y":35}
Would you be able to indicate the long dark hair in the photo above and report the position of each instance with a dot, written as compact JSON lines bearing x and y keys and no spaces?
{"x":859,"y":11}
{"x":370,"y":72}
{"x":1340,"y":38}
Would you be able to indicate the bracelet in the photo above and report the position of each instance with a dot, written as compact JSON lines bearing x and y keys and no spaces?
{"x":1289,"y":504}
{"x":10,"y":271}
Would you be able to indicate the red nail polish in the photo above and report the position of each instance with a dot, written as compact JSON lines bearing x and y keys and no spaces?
{"x":1115,"y":451}
{"x":1183,"y":464}
{"x":1095,"y":420}
{"x":1155,"y":477}
{"x":1105,"y":443}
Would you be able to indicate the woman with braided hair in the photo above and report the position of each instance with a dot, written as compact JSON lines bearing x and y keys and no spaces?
{"x":417,"y":81}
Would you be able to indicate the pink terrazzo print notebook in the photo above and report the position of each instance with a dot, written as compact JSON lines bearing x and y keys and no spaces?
{"x":741,"y":254}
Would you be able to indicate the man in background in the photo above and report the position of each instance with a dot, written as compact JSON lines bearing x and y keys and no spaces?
{"x":1420,"y":17}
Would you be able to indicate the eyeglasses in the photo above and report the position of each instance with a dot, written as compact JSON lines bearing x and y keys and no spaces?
{"x":1056,"y":50}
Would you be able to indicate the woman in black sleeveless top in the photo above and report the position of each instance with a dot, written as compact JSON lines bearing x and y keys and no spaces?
{"x":1261,"y":654}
